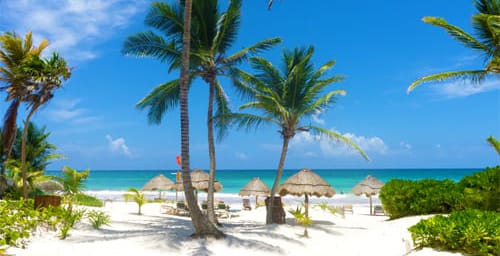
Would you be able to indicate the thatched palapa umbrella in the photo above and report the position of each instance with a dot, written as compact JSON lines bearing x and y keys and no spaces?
{"x":159,"y":182}
{"x":306,"y":182}
{"x":255,"y":188}
{"x":369,"y":186}
{"x":199,"y":179}
{"x":49,"y":186}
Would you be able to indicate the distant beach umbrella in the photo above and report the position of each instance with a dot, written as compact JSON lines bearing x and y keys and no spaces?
{"x":369,"y":186}
{"x":159,"y":182}
{"x":255,"y":188}
{"x":49,"y":186}
{"x":306,"y":182}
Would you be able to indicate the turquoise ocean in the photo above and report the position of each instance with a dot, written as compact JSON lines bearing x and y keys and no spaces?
{"x":233,"y":180}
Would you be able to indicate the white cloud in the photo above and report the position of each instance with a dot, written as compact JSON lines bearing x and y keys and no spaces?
{"x":241,"y":156}
{"x":405,"y":145}
{"x":118,"y":146}
{"x":459,"y":89}
{"x":316,"y":118}
{"x":331,"y":147}
{"x":73,"y":27}
{"x":68,"y":111}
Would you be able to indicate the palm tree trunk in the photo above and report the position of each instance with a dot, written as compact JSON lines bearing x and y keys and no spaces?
{"x":201,"y":225}
{"x":24,"y":172}
{"x":279,"y":173}
{"x":9,"y":136}
{"x":211,"y":152}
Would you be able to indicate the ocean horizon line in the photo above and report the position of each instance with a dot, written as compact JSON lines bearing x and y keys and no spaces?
{"x":289,"y":169}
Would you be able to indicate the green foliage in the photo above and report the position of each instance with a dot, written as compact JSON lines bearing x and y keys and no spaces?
{"x":474,"y":232}
{"x":73,"y":180}
{"x":300,"y":217}
{"x":69,"y":218}
{"x":18,"y":220}
{"x":481,"y":190}
{"x":494,"y":143}
{"x":136,"y":196}
{"x":86,"y":200}
{"x":98,"y":218}
{"x":405,"y":197}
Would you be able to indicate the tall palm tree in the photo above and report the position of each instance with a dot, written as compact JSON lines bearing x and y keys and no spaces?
{"x":14,"y":52}
{"x":285,"y":98}
{"x":486,"y":26}
{"x":212,"y":34}
{"x":46,"y":75}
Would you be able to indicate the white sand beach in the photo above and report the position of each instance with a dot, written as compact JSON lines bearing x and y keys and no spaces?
{"x":155,"y":233}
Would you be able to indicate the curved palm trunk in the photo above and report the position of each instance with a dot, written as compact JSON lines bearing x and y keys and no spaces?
{"x":24,"y":172}
{"x":279,"y":173}
{"x":202,"y":227}
{"x":9,"y":132}
{"x":211,"y":152}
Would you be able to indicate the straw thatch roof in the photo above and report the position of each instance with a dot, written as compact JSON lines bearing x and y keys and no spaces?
{"x":159,"y":182}
{"x":199,"y":179}
{"x":255,"y":188}
{"x":49,"y":186}
{"x":306,"y":182}
{"x":369,"y":186}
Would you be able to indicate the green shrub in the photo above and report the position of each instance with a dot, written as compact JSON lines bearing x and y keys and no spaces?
{"x":98,"y":218}
{"x":86,"y":200}
{"x":482,"y":190}
{"x":17,"y":221}
{"x":405,"y":197}
{"x":471,"y":231}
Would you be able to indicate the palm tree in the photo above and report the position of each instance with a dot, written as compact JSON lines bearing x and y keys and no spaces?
{"x":73,"y":182}
{"x":487,"y":29}
{"x":494,"y":143}
{"x":46,"y":75}
{"x":14,"y":52}
{"x":286,"y":97}
{"x":137,"y":196}
{"x":213,"y":33}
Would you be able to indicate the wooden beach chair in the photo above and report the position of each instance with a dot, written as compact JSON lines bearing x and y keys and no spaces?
{"x":378,"y":209}
{"x":182,"y":209}
{"x":246,"y":204}
{"x":347,"y":208}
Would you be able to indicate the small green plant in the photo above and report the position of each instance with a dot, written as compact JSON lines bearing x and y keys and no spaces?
{"x":137,"y":196}
{"x":301,"y":218}
{"x":323,"y":206}
{"x":474,"y":232}
{"x":98,"y":218}
{"x":69,"y":218}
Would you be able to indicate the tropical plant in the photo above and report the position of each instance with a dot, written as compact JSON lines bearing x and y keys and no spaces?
{"x":136,"y":196}
{"x":46,"y":75}
{"x":86,"y":200}
{"x":73,"y":182}
{"x":494,"y":143}
{"x":98,"y":219}
{"x":486,"y":24}
{"x":14,"y":53}
{"x":285,"y":98}
{"x":301,"y":218}
{"x":212,"y":34}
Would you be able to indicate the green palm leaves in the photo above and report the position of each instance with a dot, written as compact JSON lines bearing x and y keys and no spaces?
{"x":286,"y":96}
{"x":486,"y":26}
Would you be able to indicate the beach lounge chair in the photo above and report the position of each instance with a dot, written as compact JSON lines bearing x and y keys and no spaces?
{"x":347,"y":208}
{"x":182,"y":209}
{"x":378,"y":209}
{"x":246,"y":204}
{"x":167,"y":209}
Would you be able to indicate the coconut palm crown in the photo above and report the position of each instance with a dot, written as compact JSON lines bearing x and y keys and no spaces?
{"x":285,"y":97}
{"x":486,"y":25}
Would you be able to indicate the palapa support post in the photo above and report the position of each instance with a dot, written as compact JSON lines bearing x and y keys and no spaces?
{"x":306,"y":203}
{"x":256,"y":201}
{"x":371,"y":211}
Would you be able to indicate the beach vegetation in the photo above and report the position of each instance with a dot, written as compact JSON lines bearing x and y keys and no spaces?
{"x":14,"y":53}
{"x":494,"y":143}
{"x":301,"y":218}
{"x":73,"y":182}
{"x":137,"y":196}
{"x":481,"y":190}
{"x":87,"y":200}
{"x":98,"y":219}
{"x":212,"y":35}
{"x":473,"y":232}
{"x":288,"y":98}
{"x":486,"y":27}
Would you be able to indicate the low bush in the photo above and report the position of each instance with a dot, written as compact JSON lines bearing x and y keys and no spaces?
{"x":471,"y":231}
{"x":98,"y":219}
{"x":481,"y":190}
{"x":86,"y":200}
{"x":406,"y":197}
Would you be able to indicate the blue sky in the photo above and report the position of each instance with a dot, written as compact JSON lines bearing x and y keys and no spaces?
{"x":379,"y":46}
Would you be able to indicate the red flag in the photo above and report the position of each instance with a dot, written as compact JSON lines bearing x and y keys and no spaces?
{"x":178,"y":159}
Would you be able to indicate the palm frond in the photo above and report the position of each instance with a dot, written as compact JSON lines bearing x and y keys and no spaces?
{"x":257,"y":48}
{"x":335,"y":135}
{"x":163,"y":98}
{"x":222,"y":124}
{"x":166,"y":18}
{"x":475,"y":76}
{"x":247,"y":121}
{"x":459,"y":34}
{"x":228,"y":26}
{"x":148,"y":44}
{"x":323,"y":102}
{"x":494,"y":143}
